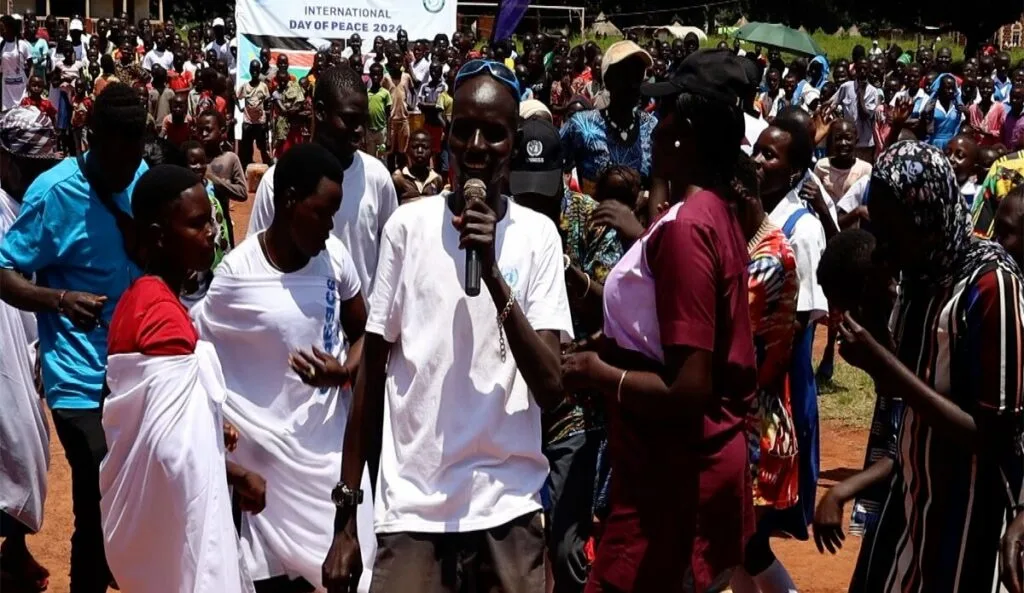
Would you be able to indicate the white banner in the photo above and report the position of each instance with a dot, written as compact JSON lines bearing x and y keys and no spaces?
{"x":302,"y":26}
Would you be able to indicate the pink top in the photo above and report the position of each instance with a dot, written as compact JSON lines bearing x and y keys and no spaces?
{"x":991,"y":122}
{"x":630,"y":282}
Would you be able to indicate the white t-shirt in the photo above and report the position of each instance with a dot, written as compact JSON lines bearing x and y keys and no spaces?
{"x":14,"y":58}
{"x":333,"y":262}
{"x":808,"y":242}
{"x":461,"y":449}
{"x":223,"y":51}
{"x":368,"y":199}
{"x":752,"y":128}
{"x":164,"y":58}
{"x":854,"y":197}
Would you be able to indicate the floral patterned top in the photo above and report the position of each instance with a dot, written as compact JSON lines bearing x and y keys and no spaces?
{"x":772,"y":294}
{"x":595,"y":251}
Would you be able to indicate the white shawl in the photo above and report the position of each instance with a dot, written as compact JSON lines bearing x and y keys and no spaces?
{"x":289,"y":432}
{"x":24,"y":437}
{"x":165,"y":505}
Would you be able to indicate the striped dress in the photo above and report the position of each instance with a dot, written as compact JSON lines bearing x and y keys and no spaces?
{"x":947,"y":506}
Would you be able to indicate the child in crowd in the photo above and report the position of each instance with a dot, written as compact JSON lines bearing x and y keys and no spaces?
{"x":65,"y":73}
{"x":81,"y":108}
{"x":177,"y":126}
{"x":195,"y":159}
{"x":224,"y":170}
{"x":841,"y":169}
{"x":417,"y":179}
{"x":375,"y":141}
{"x":398,"y":125}
{"x":427,"y":102}
{"x":853,"y":283}
{"x":962,"y":152}
{"x":36,"y":86}
{"x":444,"y":106}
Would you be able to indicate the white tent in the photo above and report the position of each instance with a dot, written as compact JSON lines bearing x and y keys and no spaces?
{"x":603,"y":26}
{"x":678,"y":31}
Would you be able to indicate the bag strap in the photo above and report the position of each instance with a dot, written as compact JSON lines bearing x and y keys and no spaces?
{"x":124,"y":221}
{"x":790,"y":225}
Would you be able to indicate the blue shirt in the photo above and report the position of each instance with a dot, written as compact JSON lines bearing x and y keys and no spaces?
{"x":588,"y":145}
{"x":1002,"y":89}
{"x":70,"y":241}
{"x":40,"y":52}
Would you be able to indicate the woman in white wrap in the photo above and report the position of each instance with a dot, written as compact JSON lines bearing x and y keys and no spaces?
{"x":275,"y":313}
{"x":165,"y":506}
{"x":27,"y":149}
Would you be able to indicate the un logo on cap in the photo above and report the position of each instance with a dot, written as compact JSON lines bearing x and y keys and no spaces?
{"x":534,"y":148}
{"x":433,"y":6}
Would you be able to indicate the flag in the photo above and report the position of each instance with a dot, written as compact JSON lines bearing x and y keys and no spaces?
{"x":510,"y":12}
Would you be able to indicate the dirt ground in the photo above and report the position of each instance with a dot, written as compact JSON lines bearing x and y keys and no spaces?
{"x":842,"y":450}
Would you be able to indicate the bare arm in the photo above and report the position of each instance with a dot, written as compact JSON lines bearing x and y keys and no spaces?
{"x":365,"y":424}
{"x":537,"y":353}
{"x":679,"y":394}
{"x":18,"y":292}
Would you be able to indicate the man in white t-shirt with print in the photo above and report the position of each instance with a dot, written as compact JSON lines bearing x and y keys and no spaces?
{"x":341,"y":109}
{"x":159,"y":54}
{"x":458,"y":381}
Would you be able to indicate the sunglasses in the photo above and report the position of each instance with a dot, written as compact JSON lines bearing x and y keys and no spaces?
{"x":497,"y":70}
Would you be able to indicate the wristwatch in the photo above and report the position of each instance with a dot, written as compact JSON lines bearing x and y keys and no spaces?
{"x":344,"y":497}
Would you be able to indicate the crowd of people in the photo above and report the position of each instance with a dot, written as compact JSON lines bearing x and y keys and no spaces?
{"x":389,"y":385}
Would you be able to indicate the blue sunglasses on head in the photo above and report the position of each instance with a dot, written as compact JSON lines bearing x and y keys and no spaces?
{"x":497,"y":70}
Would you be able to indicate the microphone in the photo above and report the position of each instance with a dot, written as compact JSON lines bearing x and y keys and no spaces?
{"x":474,"y":189}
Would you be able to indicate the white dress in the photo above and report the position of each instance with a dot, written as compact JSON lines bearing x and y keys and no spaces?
{"x":24,"y":437}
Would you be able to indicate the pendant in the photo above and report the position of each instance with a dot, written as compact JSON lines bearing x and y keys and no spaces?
{"x":624,"y":135}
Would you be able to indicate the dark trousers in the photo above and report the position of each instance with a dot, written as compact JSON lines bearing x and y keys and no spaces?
{"x":571,"y":483}
{"x":81,"y":434}
{"x":253,"y":133}
{"x":508,"y":558}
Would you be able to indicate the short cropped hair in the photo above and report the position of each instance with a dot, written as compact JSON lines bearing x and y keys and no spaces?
{"x":300,"y":170}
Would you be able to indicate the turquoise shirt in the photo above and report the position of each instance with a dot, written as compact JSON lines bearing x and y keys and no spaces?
{"x":70,"y":241}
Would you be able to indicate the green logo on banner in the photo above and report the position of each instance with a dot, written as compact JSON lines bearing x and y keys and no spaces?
{"x":433,"y":6}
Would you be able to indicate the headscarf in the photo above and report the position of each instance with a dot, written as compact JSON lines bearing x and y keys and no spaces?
{"x":937,"y":84}
{"x":28,"y":133}
{"x":802,"y":85}
{"x":922,"y":179}
{"x":904,"y":59}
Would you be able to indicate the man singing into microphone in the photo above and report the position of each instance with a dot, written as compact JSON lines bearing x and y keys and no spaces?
{"x":463,"y":378}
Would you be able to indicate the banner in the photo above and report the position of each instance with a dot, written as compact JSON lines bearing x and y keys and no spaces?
{"x":509,"y":14}
{"x":301,"y":27}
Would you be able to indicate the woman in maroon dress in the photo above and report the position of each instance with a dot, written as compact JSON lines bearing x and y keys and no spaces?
{"x":681,"y":375}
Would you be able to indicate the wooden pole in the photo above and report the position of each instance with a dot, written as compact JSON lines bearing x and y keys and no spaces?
{"x":161,"y":11}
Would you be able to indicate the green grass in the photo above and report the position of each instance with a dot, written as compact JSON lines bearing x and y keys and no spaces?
{"x":849,"y":399}
{"x":835,"y":46}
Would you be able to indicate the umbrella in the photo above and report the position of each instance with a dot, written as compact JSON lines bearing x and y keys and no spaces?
{"x":781,"y":37}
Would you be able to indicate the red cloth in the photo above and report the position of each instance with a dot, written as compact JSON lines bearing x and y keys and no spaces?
{"x":149,"y":319}
{"x":177,"y":134}
{"x":179,"y":82}
{"x":41,"y":104}
{"x":682,"y":507}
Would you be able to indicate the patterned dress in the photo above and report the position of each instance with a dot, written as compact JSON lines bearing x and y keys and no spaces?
{"x":773,"y":288}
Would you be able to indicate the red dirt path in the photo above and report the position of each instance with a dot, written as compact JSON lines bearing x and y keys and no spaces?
{"x":842,"y":451}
